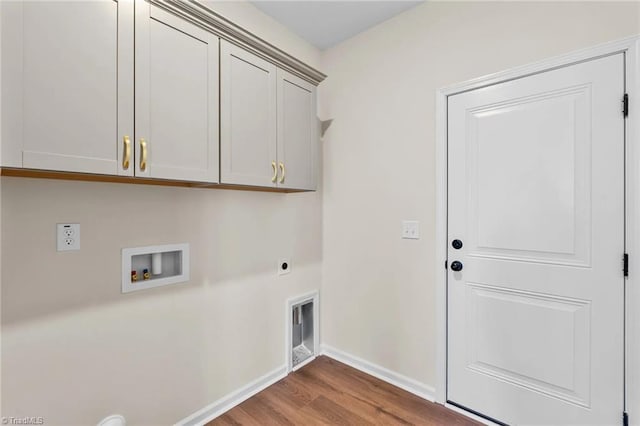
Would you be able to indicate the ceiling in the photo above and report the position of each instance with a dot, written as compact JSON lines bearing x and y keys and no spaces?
{"x":326,"y":23}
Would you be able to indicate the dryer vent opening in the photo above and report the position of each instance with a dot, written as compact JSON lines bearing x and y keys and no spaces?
{"x":302,"y":333}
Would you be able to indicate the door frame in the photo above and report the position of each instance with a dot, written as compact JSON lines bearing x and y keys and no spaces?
{"x":631,"y":47}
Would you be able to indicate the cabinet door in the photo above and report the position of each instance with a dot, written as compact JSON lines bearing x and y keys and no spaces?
{"x":176,"y":98}
{"x":297,"y":133}
{"x":67,"y":85}
{"x":248,"y":118}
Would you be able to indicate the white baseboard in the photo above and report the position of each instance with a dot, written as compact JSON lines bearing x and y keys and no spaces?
{"x":229,"y":401}
{"x":403,"y":382}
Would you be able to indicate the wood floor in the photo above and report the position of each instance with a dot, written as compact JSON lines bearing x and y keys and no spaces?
{"x":329,"y":392}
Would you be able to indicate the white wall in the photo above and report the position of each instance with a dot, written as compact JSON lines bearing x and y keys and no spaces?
{"x":74,"y":349}
{"x":378,"y":290}
{"x":264,"y":26}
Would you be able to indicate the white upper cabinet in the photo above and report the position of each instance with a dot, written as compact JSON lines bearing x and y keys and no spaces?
{"x":67,"y":85}
{"x":248,"y":118}
{"x":298,"y":138}
{"x":268,"y":123}
{"x":149,"y":89}
{"x":176,"y":97}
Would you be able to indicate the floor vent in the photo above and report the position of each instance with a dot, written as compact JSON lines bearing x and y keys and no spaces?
{"x":302,"y":320}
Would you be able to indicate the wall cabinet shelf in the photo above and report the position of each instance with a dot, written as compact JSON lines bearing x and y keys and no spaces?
{"x":70,"y":105}
{"x":92,"y":177}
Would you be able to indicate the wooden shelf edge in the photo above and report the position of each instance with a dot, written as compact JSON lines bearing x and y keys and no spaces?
{"x":87,"y":177}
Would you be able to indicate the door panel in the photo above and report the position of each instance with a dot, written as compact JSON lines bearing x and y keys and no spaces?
{"x":177,"y":97}
{"x":248,"y":117}
{"x":536,"y":193}
{"x":546,"y":160}
{"x":297,"y":132}
{"x":68,"y":120}
{"x":496,"y":321}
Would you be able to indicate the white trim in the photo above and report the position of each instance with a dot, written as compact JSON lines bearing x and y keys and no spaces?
{"x":311,"y":296}
{"x":581,"y":55}
{"x":632,"y":235}
{"x":229,"y":401}
{"x":403,"y":382}
{"x":441,"y":247}
{"x":630,"y":46}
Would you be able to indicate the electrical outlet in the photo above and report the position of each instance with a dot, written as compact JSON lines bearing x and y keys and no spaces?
{"x":284,"y":266}
{"x":411,"y":229}
{"x":68,"y":236}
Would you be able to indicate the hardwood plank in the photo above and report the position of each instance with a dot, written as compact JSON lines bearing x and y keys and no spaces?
{"x":286,"y":403}
{"x":329,"y":392}
{"x":338,"y":390}
{"x":396,"y":402}
{"x":332,"y":413}
{"x":297,"y":388}
{"x":370,"y":409}
{"x":258,"y":408}
{"x":234,"y":418}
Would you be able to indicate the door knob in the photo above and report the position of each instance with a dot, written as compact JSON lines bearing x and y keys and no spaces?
{"x":456,"y":265}
{"x":456,"y":244}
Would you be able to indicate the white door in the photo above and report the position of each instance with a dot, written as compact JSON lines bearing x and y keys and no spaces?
{"x":248,"y":118}
{"x":297,"y":132}
{"x":536,"y":197}
{"x":176,"y":97}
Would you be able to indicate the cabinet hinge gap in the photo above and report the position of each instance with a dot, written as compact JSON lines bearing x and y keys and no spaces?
{"x":625,"y":105}
{"x":625,"y":419}
{"x":625,"y":264}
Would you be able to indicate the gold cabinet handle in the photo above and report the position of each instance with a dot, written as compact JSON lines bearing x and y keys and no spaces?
{"x":143,"y":154}
{"x":275,"y":172}
{"x":126,"y":149}
{"x":281,"y":172}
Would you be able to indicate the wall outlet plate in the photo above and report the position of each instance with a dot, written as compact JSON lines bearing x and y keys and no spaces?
{"x":68,"y":236}
{"x":284,"y":266}
{"x":411,"y":229}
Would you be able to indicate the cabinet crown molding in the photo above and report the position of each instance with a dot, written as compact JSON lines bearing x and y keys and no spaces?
{"x":206,"y":18}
